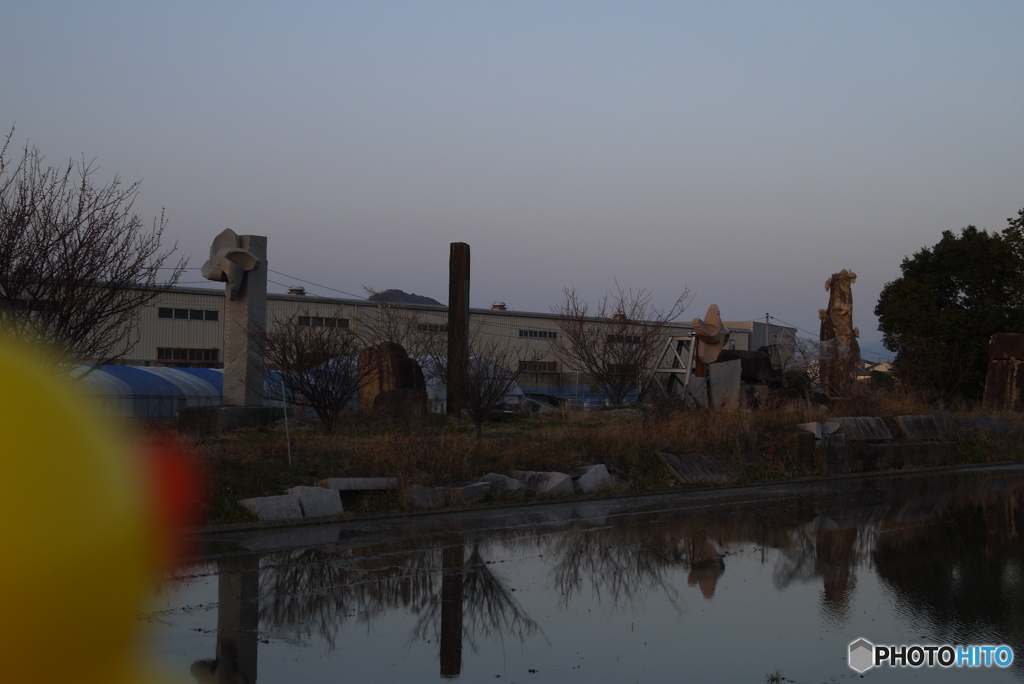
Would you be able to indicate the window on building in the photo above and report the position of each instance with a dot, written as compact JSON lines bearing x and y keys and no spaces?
{"x":623,"y":339}
{"x":538,"y":366}
{"x":539,"y":334}
{"x":322,"y":321}
{"x":188,"y":356}
{"x":435,"y":328}
{"x":188,"y":314}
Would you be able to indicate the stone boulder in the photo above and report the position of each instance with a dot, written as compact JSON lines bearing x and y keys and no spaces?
{"x":266,"y":508}
{"x":384,"y":367}
{"x":593,"y":478}
{"x":503,"y":483}
{"x":317,"y":502}
{"x":545,"y":482}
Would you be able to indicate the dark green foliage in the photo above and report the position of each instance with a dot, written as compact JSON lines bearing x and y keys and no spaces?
{"x":952,"y":297}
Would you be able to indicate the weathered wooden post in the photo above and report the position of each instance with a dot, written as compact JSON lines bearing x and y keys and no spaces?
{"x":458,"y":325}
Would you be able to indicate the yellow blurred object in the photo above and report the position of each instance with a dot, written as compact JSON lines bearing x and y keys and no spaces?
{"x":78,"y":542}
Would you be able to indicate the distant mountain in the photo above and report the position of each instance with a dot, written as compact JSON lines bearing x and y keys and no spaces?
{"x":400,"y":297}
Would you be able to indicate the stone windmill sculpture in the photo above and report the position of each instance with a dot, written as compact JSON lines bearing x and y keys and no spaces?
{"x":241,"y":262}
{"x":229,"y":262}
{"x":712,"y":335}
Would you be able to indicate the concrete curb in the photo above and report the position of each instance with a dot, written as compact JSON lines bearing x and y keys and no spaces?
{"x":214,"y":530}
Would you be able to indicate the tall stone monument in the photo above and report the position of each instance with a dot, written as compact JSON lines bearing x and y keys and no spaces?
{"x":840,"y":352}
{"x":241,"y":262}
{"x":458,"y":323}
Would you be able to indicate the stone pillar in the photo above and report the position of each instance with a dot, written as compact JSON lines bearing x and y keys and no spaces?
{"x":458,"y":323}
{"x":244,"y":315}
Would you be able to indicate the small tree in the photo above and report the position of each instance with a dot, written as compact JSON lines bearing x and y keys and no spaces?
{"x":619,"y":342}
{"x":76,"y":264}
{"x":318,"y":364}
{"x":492,"y":375}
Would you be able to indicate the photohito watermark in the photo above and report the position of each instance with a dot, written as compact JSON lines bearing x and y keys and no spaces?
{"x":865,"y":655}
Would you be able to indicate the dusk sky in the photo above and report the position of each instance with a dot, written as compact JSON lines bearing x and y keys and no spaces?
{"x":745,"y":150}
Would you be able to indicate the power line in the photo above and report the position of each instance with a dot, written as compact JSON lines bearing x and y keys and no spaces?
{"x":310,"y":282}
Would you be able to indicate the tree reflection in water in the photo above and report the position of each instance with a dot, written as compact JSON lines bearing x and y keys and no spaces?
{"x":315,"y":591}
{"x":957,"y":559}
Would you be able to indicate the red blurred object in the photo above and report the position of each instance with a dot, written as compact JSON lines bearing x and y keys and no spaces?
{"x":179,"y":490}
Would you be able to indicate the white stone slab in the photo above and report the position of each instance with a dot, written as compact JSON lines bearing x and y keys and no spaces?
{"x":317,"y":502}
{"x":724,"y":379}
{"x":358,"y":484}
{"x":283,"y":507}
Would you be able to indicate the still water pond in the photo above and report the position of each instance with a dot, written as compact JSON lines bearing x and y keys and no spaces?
{"x":702,"y":587}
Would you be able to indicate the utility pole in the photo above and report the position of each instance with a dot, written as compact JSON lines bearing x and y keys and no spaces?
{"x":766,"y":326}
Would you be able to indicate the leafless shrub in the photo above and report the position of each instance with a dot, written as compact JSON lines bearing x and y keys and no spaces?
{"x":390,"y":321}
{"x":76,"y":264}
{"x":318,"y":365}
{"x":493,"y":372}
{"x":619,"y":342}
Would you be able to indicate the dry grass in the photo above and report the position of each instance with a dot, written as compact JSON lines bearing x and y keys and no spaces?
{"x":760,"y":444}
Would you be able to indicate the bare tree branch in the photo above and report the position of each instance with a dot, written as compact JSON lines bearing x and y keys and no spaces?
{"x":619,"y":342}
{"x":318,"y":364}
{"x":76,"y":264}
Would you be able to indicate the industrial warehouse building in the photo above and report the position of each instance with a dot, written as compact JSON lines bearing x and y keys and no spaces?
{"x":184,"y":328}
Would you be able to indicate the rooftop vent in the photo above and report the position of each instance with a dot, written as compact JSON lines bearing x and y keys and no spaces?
{"x":499,"y":306}
{"x":297,"y":291}
{"x":619,"y":315}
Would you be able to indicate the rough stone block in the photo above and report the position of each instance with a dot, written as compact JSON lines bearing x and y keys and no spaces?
{"x":503,"y":483}
{"x":922,"y":428}
{"x":386,"y":366}
{"x":471,"y":493}
{"x":864,"y":429}
{"x":545,"y":482}
{"x":317,"y":502}
{"x":593,"y":478}
{"x":1006,"y":346}
{"x":1004,"y":385}
{"x":283,"y":507}
{"x":724,"y":379}
{"x":358,"y":484}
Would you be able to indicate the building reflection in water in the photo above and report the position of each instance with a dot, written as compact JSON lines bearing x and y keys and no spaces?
{"x":913,"y":538}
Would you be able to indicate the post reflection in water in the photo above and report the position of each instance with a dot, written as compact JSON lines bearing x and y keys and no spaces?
{"x":237,"y":624}
{"x":451,"y":612}
{"x":951,"y":555}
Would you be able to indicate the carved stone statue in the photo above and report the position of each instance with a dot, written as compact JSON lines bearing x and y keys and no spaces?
{"x":840,"y":352}
{"x":241,"y":262}
{"x":229,"y":262}
{"x":712,"y":335}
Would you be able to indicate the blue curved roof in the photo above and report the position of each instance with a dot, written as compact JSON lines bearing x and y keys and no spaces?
{"x":153,"y":392}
